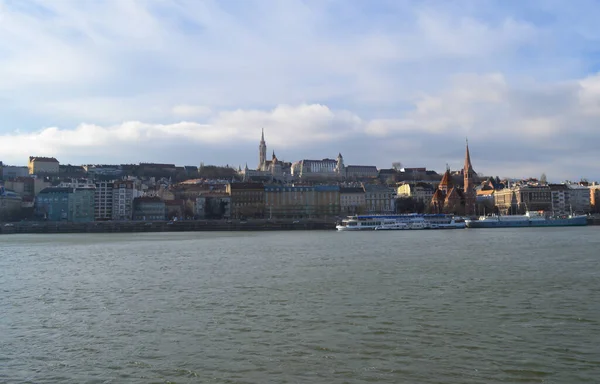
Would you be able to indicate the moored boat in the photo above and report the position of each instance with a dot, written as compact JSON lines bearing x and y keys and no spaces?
{"x":529,"y":219}
{"x":400,"y":222}
{"x":393,"y":227}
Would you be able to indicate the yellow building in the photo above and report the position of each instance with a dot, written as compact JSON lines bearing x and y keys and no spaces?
{"x":328,"y":200}
{"x":517,"y":200}
{"x":302,"y":201}
{"x":420,"y":191}
{"x":42,"y":165}
{"x":247,"y":199}
{"x":290,"y":201}
{"x":595,"y":198}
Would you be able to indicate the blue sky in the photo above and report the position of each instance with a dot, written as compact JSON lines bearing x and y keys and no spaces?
{"x":379,"y":81}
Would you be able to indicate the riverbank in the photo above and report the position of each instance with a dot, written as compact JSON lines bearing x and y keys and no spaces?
{"x":177,"y":226}
{"x":166,"y":226}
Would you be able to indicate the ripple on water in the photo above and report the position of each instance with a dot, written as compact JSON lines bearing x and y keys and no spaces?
{"x":300,"y":307}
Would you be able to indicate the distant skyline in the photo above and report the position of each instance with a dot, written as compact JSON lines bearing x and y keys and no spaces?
{"x":380,"y":81}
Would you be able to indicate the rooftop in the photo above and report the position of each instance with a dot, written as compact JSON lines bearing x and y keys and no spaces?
{"x":43,"y":159}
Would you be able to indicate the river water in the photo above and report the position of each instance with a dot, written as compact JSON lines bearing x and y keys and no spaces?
{"x":457,"y":306}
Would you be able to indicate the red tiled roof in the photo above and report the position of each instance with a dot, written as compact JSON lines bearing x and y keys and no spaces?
{"x":438,"y":195}
{"x":446,"y":180}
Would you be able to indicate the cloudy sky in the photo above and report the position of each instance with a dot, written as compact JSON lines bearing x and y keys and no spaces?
{"x":379,"y":81}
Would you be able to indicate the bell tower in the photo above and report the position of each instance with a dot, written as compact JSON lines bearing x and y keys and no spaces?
{"x":339,"y":168}
{"x":469,"y":184}
{"x":262,"y":151}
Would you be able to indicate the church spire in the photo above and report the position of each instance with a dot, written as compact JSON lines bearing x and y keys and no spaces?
{"x":262,"y":151}
{"x":469,"y":183}
{"x":468,"y":166}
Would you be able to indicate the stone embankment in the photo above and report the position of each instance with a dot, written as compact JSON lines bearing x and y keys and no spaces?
{"x":166,"y":226}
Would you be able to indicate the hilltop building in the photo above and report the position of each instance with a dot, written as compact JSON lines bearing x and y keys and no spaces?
{"x":320,"y":169}
{"x":267,"y":170}
{"x":43,"y":165}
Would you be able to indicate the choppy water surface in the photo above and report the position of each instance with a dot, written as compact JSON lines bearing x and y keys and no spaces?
{"x":463,"y":306}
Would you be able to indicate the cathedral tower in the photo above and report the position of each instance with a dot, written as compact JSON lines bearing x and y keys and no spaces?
{"x":469,"y":184}
{"x":339,"y":167}
{"x":262,"y":151}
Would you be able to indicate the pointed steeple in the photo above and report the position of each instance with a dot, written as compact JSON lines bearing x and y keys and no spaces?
{"x":469,"y":183}
{"x":262,"y":151}
{"x":468,"y":166}
{"x":446,"y":182}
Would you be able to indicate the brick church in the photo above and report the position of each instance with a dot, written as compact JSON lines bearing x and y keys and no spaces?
{"x":451,"y":198}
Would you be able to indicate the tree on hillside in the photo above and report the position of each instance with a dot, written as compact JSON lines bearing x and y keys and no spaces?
{"x":543,"y":179}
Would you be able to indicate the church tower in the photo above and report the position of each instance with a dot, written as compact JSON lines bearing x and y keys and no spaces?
{"x":339,"y":168}
{"x":262,"y":152}
{"x":469,"y":184}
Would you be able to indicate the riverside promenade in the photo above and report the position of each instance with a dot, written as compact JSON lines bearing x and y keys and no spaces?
{"x":166,"y":226}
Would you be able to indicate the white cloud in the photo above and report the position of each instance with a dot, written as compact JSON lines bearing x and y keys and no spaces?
{"x":410,"y":79}
{"x":469,"y":37}
{"x":286,"y":126}
{"x":486,"y":108}
{"x":219,"y":57}
{"x":187,"y":111}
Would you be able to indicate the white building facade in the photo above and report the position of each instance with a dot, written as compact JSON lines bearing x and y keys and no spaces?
{"x":570,"y":198}
{"x":352,"y":200}
{"x":123,"y":193}
{"x":104,"y":200}
{"x":319,"y":169}
{"x":379,"y":199}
